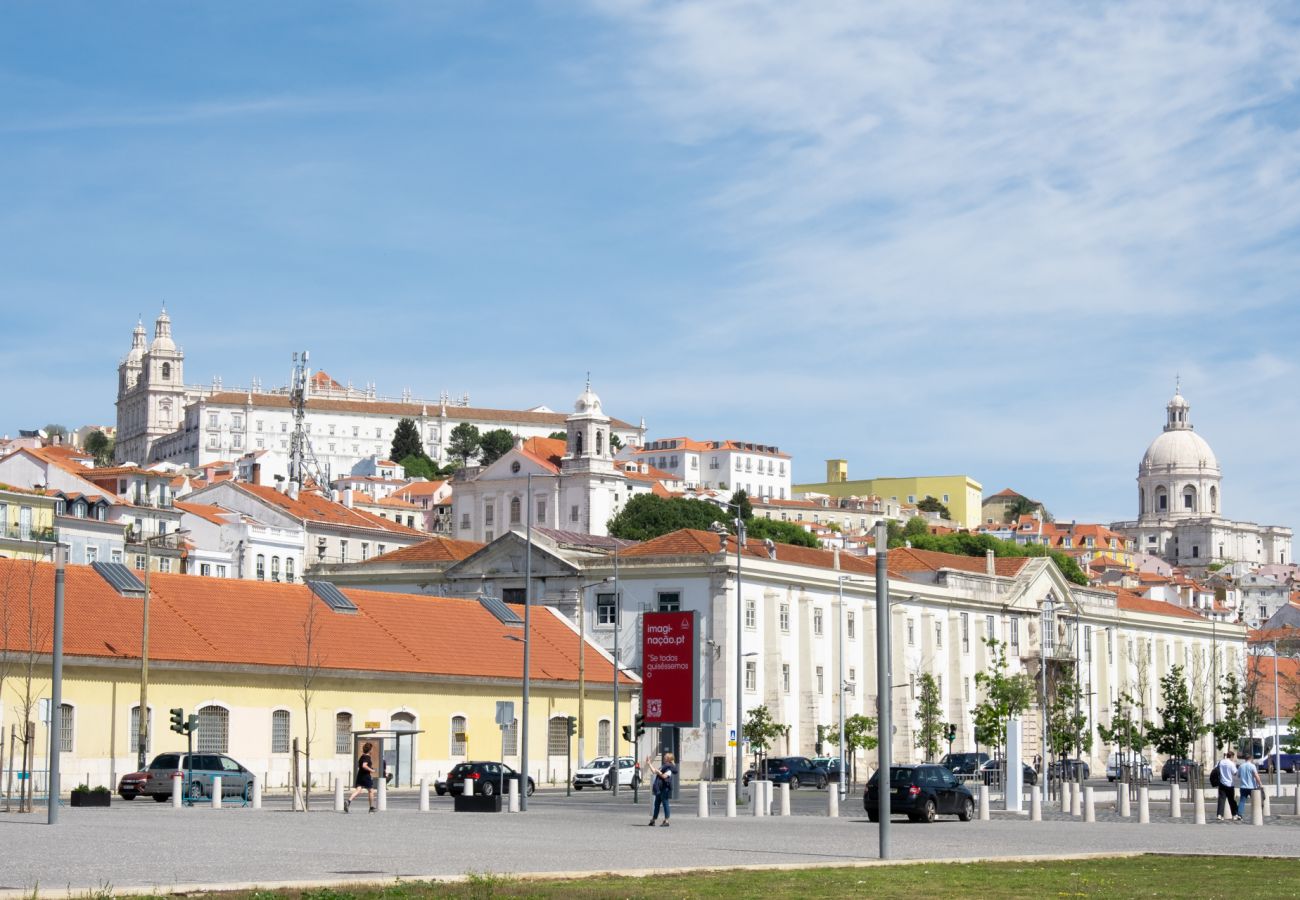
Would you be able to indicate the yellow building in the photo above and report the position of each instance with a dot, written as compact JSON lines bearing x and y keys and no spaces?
{"x":26,"y":523}
{"x":962,"y":494}
{"x":239,"y":653}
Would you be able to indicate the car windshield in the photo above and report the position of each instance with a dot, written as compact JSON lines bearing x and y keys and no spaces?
{"x":902,"y":775}
{"x":165,"y":761}
{"x":600,"y":762}
{"x":461,"y":769}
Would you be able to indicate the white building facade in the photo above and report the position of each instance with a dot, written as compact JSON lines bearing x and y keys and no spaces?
{"x":761,"y":470}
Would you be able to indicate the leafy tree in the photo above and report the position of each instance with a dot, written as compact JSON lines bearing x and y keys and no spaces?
{"x":915,"y":528}
{"x":1022,"y":506}
{"x":494,"y":444}
{"x":1067,"y":733}
{"x":860,"y":733}
{"x":1291,"y":740}
{"x":761,"y":730}
{"x":964,"y":543}
{"x":929,"y":707}
{"x":1231,"y":727}
{"x":1180,"y":719}
{"x":562,"y":436}
{"x":931,"y":504}
{"x":406,"y":440}
{"x":781,"y":532}
{"x":1125,"y":731}
{"x":463,"y":442}
{"x":54,"y":430}
{"x":615,"y":443}
{"x":423,"y":467}
{"x":1005,"y":696}
{"x":101,"y":446}
{"x":646,"y":516}
{"x":894,"y":534}
{"x":740,"y":503}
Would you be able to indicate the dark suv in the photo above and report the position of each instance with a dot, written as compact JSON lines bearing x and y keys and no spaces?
{"x":488,"y":778}
{"x":964,"y":763}
{"x":921,"y":793}
{"x":792,"y":770}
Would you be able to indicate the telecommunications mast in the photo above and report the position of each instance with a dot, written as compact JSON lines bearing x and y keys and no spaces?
{"x":302,"y":461}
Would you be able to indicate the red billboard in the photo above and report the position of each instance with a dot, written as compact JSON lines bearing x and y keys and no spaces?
{"x":669,"y":688}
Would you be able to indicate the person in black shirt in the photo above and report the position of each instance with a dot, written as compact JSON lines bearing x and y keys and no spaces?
{"x":662,"y":786}
{"x":365,"y":780}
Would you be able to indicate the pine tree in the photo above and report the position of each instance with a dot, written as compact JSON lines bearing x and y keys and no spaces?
{"x":463,"y":442}
{"x":406,"y":441}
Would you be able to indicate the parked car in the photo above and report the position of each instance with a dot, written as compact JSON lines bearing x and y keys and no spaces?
{"x":921,"y":793}
{"x":1070,"y":769}
{"x":1135,"y":762}
{"x":488,"y":778}
{"x":598,"y":773}
{"x":197,"y":772}
{"x":792,"y":770}
{"x":832,"y":766}
{"x":995,"y":770}
{"x":964,"y":763}
{"x":1175,"y":768}
{"x":132,"y":784}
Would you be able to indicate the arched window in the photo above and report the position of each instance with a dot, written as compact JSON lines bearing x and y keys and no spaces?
{"x":214,"y":730}
{"x":280,"y":731}
{"x":1162,"y":499}
{"x":557,"y":736}
{"x":1142,"y":500}
{"x":600,"y":442}
{"x":275,"y":568}
{"x":133,"y":736}
{"x":166,"y":371}
{"x":288,"y":569}
{"x":65,"y":728}
{"x":514,"y":510}
{"x":577,"y":443}
{"x":261,"y":567}
{"x":343,"y":733}
{"x":458,"y":735}
{"x":1189,"y":498}
{"x":1214,"y":499}
{"x":603,"y":731}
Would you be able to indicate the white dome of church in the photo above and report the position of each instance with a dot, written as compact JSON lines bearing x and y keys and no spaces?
{"x":162,"y":333}
{"x":1179,"y":447}
{"x":588,"y":403}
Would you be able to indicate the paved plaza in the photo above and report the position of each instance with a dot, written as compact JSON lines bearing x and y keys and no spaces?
{"x":152,"y":847}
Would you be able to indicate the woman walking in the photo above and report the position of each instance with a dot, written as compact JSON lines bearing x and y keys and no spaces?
{"x":365,"y":779}
{"x":662,"y":787}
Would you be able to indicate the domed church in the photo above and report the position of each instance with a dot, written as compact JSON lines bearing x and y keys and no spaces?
{"x":1180,"y":504}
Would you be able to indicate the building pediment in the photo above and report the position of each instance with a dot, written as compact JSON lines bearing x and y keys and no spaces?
{"x":508,"y":556}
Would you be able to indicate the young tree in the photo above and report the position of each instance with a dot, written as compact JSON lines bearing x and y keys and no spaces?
{"x":6,"y":657}
{"x":781,"y":532}
{"x":28,"y":694}
{"x":1231,"y":727}
{"x":1005,"y":696}
{"x":406,"y":440}
{"x":615,"y":442}
{"x":100,"y":446}
{"x":463,"y":442}
{"x":740,"y":503}
{"x":1067,"y":734}
{"x":860,"y":733}
{"x":55,"y":430}
{"x":929,"y":708}
{"x":1125,"y":730}
{"x":307,"y":664}
{"x":916,"y":527}
{"x":761,"y":730}
{"x":494,"y":444}
{"x":1180,"y":721}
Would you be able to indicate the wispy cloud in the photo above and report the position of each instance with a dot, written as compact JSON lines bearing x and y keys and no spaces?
{"x":193,"y":113}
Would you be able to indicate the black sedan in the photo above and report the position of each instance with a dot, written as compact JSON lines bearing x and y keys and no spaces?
{"x":488,"y":778}
{"x":921,"y":793}
{"x":995,"y":772}
{"x":1175,"y":768}
{"x":1070,"y":770}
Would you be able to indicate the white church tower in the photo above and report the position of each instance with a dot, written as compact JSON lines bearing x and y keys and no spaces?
{"x":150,"y":391}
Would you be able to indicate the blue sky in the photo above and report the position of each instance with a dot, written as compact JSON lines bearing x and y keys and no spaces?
{"x":928,"y":237}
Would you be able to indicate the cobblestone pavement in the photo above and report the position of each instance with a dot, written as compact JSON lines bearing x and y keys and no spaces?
{"x":148,"y":846}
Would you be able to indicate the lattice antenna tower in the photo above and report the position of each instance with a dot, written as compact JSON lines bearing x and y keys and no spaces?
{"x":302,"y":459}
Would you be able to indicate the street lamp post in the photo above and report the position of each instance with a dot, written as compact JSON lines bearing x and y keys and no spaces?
{"x":740,"y":636}
{"x":843,"y":785}
{"x":1277,"y":745}
{"x":884,"y":694}
{"x":1045,"y":647}
{"x":618,"y":624}
{"x":142,"y":735}
{"x":56,"y":690}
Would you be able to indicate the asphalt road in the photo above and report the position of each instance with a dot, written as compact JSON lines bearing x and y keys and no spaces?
{"x":151,"y":847}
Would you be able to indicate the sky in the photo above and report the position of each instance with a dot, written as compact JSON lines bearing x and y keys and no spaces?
{"x":927,"y":237}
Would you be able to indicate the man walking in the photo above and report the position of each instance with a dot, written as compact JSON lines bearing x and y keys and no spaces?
{"x":1226,"y":771}
{"x":1248,"y":778}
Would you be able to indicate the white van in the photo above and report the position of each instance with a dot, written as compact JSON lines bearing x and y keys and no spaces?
{"x":1133,"y":760}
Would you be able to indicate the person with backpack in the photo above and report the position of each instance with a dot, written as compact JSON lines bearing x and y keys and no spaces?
{"x":1224,"y":776}
{"x":662,"y":786}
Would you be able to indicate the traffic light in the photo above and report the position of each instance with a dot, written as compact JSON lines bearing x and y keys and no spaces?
{"x":573,"y":726}
{"x":627,"y":733}
{"x":640,"y":724}
{"x":952,"y":733}
{"x":178,"y":720}
{"x":192,"y":725}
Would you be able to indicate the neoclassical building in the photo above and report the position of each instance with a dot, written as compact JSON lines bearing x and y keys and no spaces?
{"x":1180,"y":503}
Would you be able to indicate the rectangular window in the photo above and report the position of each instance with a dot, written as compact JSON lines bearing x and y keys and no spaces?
{"x":911,"y":632}
{"x":133,"y":736}
{"x":139,"y":561}
{"x":785,"y":678}
{"x":1015,"y":633}
{"x":288,"y":569}
{"x":817,"y":620}
{"x":343,"y":551}
{"x":92,"y":554}
{"x":821,"y":680}
{"x":541,"y":512}
{"x":365,"y":550}
{"x":1087,"y":643}
{"x":751,"y":675}
{"x":489,"y":514}
{"x":510,"y":738}
{"x":164,"y":564}
{"x":464,"y":521}
{"x":1110,"y":647}
{"x":280,"y":731}
{"x":965,"y":632}
{"x":853,"y":676}
{"x":606,"y":610}
{"x":751,"y":614}
{"x":965,"y":687}
{"x":852,"y":627}
{"x":785,"y":617}
{"x":343,"y":733}
{"x":573,"y":513}
{"x":221,"y":570}
{"x":670,"y":601}
{"x":65,"y":728}
{"x":205,"y":569}
{"x":938,"y":635}
{"x":990,"y":627}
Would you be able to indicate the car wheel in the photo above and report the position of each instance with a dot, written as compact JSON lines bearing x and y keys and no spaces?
{"x":160,"y":798}
{"x":794,"y":782}
{"x":967,"y":810}
{"x":127,"y":796}
{"x":441,"y":791}
{"x":821,"y":783}
{"x":196,"y":790}
{"x":531,"y":787}
{"x":873,"y":817}
{"x":929,"y":814}
{"x":606,"y":784}
{"x":489,"y":789}
{"x":577,"y":787}
{"x":248,"y":792}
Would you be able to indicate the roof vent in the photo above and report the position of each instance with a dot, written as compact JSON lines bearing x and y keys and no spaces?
{"x":332,"y":597}
{"x":120,"y":577}
{"x":504,"y":614}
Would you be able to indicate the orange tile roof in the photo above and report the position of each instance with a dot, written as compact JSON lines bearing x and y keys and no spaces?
{"x":1133,"y":602}
{"x":438,"y":549}
{"x":547,"y":451}
{"x":214,"y":514}
{"x":395,"y":502}
{"x":1288,"y":677}
{"x":113,"y":472}
{"x":692,"y":542}
{"x":205,"y":621}
{"x":313,"y":507}
{"x":906,"y":560}
{"x":421,"y":488}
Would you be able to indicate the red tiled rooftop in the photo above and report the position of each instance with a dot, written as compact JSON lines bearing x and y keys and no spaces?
{"x":438,"y":549}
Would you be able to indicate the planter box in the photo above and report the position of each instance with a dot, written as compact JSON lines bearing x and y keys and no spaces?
{"x":83,"y":798}
{"x":477,"y":803}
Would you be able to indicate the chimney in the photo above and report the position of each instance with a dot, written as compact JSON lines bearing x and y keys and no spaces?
{"x":346,"y":497}
{"x":292,"y":492}
{"x":771,"y":550}
{"x":835,"y":559}
{"x":989,"y":566}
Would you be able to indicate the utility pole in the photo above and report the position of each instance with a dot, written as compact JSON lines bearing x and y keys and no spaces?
{"x":884,"y":695}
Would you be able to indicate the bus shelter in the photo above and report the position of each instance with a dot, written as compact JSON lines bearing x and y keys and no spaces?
{"x":394,"y":758}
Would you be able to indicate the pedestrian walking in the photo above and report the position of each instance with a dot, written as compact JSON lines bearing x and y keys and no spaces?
{"x":1247,"y":780}
{"x":662,"y":786}
{"x":365,"y":779}
{"x":1224,"y":777}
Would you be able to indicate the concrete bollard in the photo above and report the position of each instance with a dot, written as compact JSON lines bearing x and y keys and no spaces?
{"x":467,"y":787}
{"x":1198,"y":801}
{"x":768,"y":789}
{"x":702,"y":810}
{"x":178,"y":791}
{"x":424,"y":794}
{"x":1124,"y":810}
{"x":756,"y":797}
{"x":513,"y":790}
{"x":216,"y":792}
{"x":1144,"y":805}
{"x":340,"y":796}
{"x":381,"y":795}
{"x":1076,"y":799}
{"x":833,"y":804}
{"x":1267,"y":811}
{"x":984,"y":802}
{"x":785,"y":799}
{"x":295,"y":800}
{"x":731,"y":799}
{"x":257,"y":792}
{"x":1035,"y":806}
{"x":1089,"y":806}
{"x":1175,"y":802}
{"x":1065,"y":797}
{"x":1256,"y":807}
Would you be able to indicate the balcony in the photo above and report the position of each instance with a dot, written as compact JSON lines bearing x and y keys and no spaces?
{"x":27,"y":533}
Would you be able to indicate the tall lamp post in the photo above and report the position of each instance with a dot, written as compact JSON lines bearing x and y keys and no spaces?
{"x":740,"y":637}
{"x":143,"y":732}
{"x":843,"y":784}
{"x":56,"y":689}
{"x":884,"y":693}
{"x":1277,"y":746}
{"x":1045,"y":648}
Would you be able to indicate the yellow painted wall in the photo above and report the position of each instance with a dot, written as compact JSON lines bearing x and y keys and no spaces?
{"x":102,"y":697}
{"x":42,"y":523}
{"x":964,"y":493}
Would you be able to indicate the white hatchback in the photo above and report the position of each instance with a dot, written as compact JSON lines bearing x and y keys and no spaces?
{"x":1133,"y":761}
{"x":598,"y":773}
